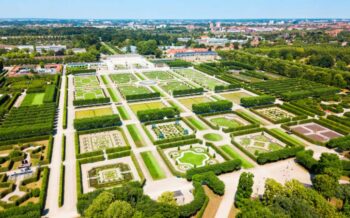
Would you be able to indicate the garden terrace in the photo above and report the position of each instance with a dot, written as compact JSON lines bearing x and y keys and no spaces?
{"x":158,"y":131}
{"x":291,"y":89}
{"x":159,"y":75}
{"x":93,"y":112}
{"x":28,"y":121}
{"x":200,"y":78}
{"x":123,"y":78}
{"x":188,"y":102}
{"x":235,"y":97}
{"x":278,"y":114}
{"x":106,"y":174}
{"x":315,"y":132}
{"x":191,"y":156}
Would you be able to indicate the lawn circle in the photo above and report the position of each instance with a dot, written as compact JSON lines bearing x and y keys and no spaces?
{"x":213,"y":137}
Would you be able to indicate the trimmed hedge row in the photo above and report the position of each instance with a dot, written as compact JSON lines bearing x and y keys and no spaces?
{"x":210,"y":107}
{"x":61,"y":190}
{"x":79,"y":71}
{"x":218,"y":169}
{"x":342,"y":143}
{"x":305,"y":158}
{"x":97,"y":122}
{"x":84,"y":102}
{"x":50,"y":94}
{"x":230,"y":87}
{"x":257,"y":100}
{"x":182,"y":92}
{"x":138,"y":168}
{"x":157,"y":114}
{"x":142,"y":96}
{"x":282,"y":154}
{"x":180,"y":143}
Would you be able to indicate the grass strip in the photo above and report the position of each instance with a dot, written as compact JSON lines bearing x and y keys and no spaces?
{"x":152,"y":165}
{"x":122,"y":112}
{"x":135,"y":134}
{"x":234,"y":155}
{"x":113,"y":94}
{"x":196,"y":123}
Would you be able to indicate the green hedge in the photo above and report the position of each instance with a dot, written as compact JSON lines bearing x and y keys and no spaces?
{"x":95,"y":101}
{"x":210,"y":107}
{"x":342,"y":143}
{"x":50,"y":94}
{"x":257,"y":100}
{"x":80,"y":71}
{"x":230,"y":87}
{"x":189,"y":91}
{"x":282,"y":154}
{"x":218,"y":169}
{"x":97,"y":122}
{"x":157,"y":114}
{"x":142,"y":96}
{"x":61,"y":190}
{"x":138,"y":168}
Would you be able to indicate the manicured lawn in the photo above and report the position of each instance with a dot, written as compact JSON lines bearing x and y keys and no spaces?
{"x":290,"y":138}
{"x":196,"y":123}
{"x":135,"y":134}
{"x":146,"y":106}
{"x":86,"y":81}
{"x":33,"y":99}
{"x":195,"y":159}
{"x":105,"y":79}
{"x":122,"y":78}
{"x":213,"y":137}
{"x":113,"y":94}
{"x":251,"y":116}
{"x":222,"y":121}
{"x":175,"y":85}
{"x":235,"y":97}
{"x":123,"y":114}
{"x":155,"y":89}
{"x":234,"y":155}
{"x":87,"y":94}
{"x":133,"y":90}
{"x":188,"y":102}
{"x":93,"y":113}
{"x":173,"y":104}
{"x":159,"y":75}
{"x":152,"y":165}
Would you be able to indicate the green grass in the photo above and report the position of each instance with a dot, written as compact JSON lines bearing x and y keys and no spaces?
{"x":175,"y":85}
{"x":133,"y":90}
{"x":234,"y":155}
{"x":104,"y":79}
{"x":155,"y":89}
{"x":81,"y":114}
{"x":33,"y":99}
{"x":285,"y":136}
{"x":249,"y":116}
{"x":135,"y":134}
{"x":122,"y":112}
{"x":152,"y":165}
{"x":146,"y":106}
{"x":173,"y":104}
{"x":224,"y":122}
{"x":113,"y":94}
{"x":213,"y":137}
{"x":160,"y":75}
{"x":196,"y":123}
{"x":196,"y":159}
{"x":122,"y":78}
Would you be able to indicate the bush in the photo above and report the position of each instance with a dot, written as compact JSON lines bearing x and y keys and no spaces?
{"x":97,"y":122}
{"x":244,"y":189}
{"x":157,"y":114}
{"x":342,"y":143}
{"x":142,"y":96}
{"x":273,"y":156}
{"x":258,"y":100}
{"x":218,"y":169}
{"x":211,"y":107}
{"x":84,"y":102}
{"x":50,"y":94}
{"x":226,"y":88}
{"x":188,"y":91}
{"x":306,"y":160}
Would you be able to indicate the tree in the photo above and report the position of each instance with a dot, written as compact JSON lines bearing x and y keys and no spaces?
{"x":339,"y":81}
{"x":1,"y":66}
{"x":326,"y":61}
{"x":326,"y":185}
{"x":245,"y":188}
{"x":149,"y":47}
{"x":99,"y":205}
{"x":167,"y":198}
{"x":119,"y":209}
{"x":328,"y":160}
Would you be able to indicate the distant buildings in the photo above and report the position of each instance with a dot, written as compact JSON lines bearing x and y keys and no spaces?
{"x":42,"y":48}
{"x":29,"y":70}
{"x":192,"y":54}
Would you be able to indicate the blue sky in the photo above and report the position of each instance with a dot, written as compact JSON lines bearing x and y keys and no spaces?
{"x":177,"y":9}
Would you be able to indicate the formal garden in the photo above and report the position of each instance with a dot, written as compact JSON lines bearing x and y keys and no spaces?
{"x":159,"y":75}
{"x":274,"y":113}
{"x":227,"y":121}
{"x":102,"y":140}
{"x":168,"y":130}
{"x":236,"y":97}
{"x":188,"y":102}
{"x":259,"y":142}
{"x":123,"y":78}
{"x":192,"y":156}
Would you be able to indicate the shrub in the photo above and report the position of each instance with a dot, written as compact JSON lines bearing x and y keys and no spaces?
{"x":188,"y":91}
{"x":218,"y":169}
{"x":306,"y":160}
{"x":142,"y":96}
{"x":258,"y":100}
{"x":84,"y":102}
{"x":157,"y":114}
{"x":50,"y":94}
{"x":244,"y":189}
{"x":210,"y":107}
{"x":278,"y":155}
{"x":97,"y":122}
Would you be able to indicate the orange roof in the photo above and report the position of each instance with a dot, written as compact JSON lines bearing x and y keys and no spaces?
{"x":184,"y":50}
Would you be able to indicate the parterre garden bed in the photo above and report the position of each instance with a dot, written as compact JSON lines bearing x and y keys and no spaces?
{"x":159,"y":75}
{"x":123,"y":78}
{"x":192,"y":156}
{"x":146,"y":106}
{"x":168,"y":130}
{"x":126,"y":90}
{"x":81,"y":114}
